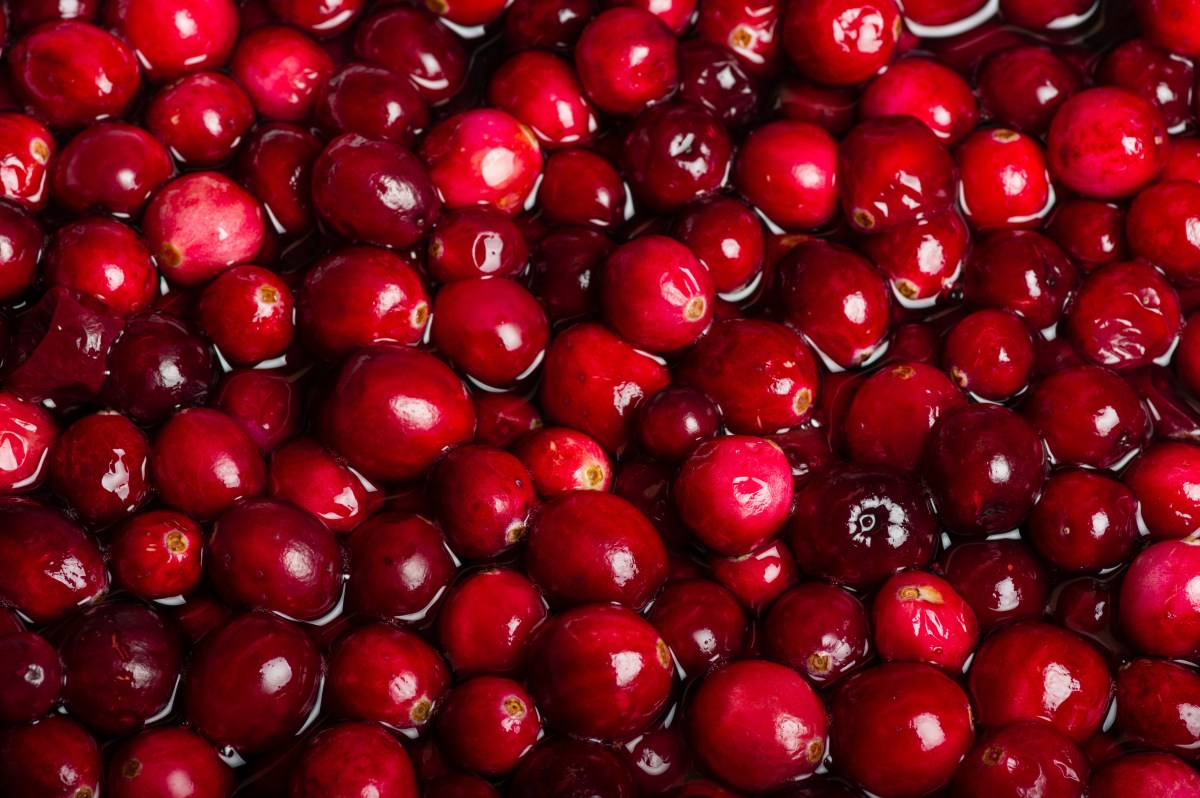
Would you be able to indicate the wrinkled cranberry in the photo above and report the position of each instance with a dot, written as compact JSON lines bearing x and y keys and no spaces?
{"x":820,"y":630}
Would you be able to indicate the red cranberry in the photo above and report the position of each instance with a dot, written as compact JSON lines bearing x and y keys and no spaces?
{"x":757,"y":726}
{"x":923,"y":88}
{"x":1088,"y":416}
{"x":322,"y":19}
{"x":565,"y":272}
{"x":201,"y":118}
{"x":100,"y":466}
{"x":374,"y":191}
{"x":725,"y":236}
{"x":247,"y":313}
{"x":350,"y":759}
{"x":485,"y":623}
{"x":1053,"y":16}
{"x":28,"y":433}
{"x":373,"y":102}
{"x":101,"y":258}
{"x":1157,"y":614}
{"x":71,"y":73}
{"x":28,"y":149}
{"x":493,"y":330}
{"x":789,"y":171}
{"x":177,"y":36}
{"x":572,"y":767}
{"x":655,"y":294}
{"x":657,"y":759}
{"x":674,"y":420}
{"x":203,"y":461}
{"x":1169,"y":24}
{"x":488,"y":725}
{"x":31,"y":677}
{"x":675,"y":153}
{"x":102,"y":648}
{"x":275,"y":163}
{"x":30,"y":14}
{"x":1090,"y":231}
{"x":840,"y":42}
{"x":548,"y":24}
{"x":156,"y":367}
{"x":562,"y":460}
{"x":626,"y":59}
{"x":646,"y":483}
{"x":893,"y":411}
{"x":759,"y":577}
{"x":386,"y":675}
{"x":1084,"y":522}
{"x":1164,"y":80}
{"x":48,"y":565}
{"x":920,"y":617}
{"x":411,"y":42}
{"x":542,"y":91}
{"x":580,"y":187}
{"x":1022,"y":272}
{"x":900,"y":729}
{"x":1156,"y":702}
{"x":111,"y":168}
{"x":749,"y":28}
{"x":399,"y":567}
{"x":819,"y":630}
{"x":990,"y":354}
{"x":476,"y":242}
{"x":1162,"y":478}
{"x":483,"y":498}
{"x":702,"y":622}
{"x":503,"y":418}
{"x":310,"y":476}
{"x":1161,"y":229}
{"x":282,"y":70}
{"x":1107,"y":143}
{"x":483,"y":157}
{"x":1005,"y":182}
{"x":252,"y":683}
{"x":20,"y":245}
{"x":54,"y":757}
{"x":712,"y":77}
{"x":265,"y":404}
{"x":1023,"y":757}
{"x":834,"y":108}
{"x":599,"y":671}
{"x":1183,"y":159}
{"x":1001,"y":579}
{"x":1124,"y":315}
{"x":922,"y":259}
{"x":1156,"y":774}
{"x":157,"y":555}
{"x":170,"y":762}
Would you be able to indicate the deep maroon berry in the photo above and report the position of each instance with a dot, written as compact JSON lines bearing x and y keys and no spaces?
{"x":493,"y":330}
{"x":789,"y":171}
{"x":169,"y":762}
{"x":1090,"y":231}
{"x":1154,"y":704}
{"x":1002,"y":580}
{"x":1161,"y":227}
{"x":372,"y":101}
{"x":111,"y":168}
{"x":674,"y":420}
{"x":1023,"y":757}
{"x":157,"y":555}
{"x":572,"y":767}
{"x":281,"y":69}
{"x":712,"y":77}
{"x":819,"y":630}
{"x":581,"y":187}
{"x":1084,"y":522}
{"x":203,"y":461}
{"x":542,"y":91}
{"x":200,"y":118}
{"x":920,"y":617}
{"x":1160,"y":774}
{"x":922,"y":260}
{"x":55,"y":758}
{"x":923,"y":88}
{"x":626,"y":59}
{"x":675,"y":153}
{"x":476,"y":242}
{"x":275,"y":163}
{"x":410,"y":41}
{"x":1124,"y":315}
{"x":1161,"y":478}
{"x":1165,"y":80}
{"x":702,"y":622}
{"x":1088,"y":416}
{"x":31,"y":677}
{"x":30,"y":14}
{"x":1021,"y":272}
{"x":548,"y":24}
{"x":156,"y":367}
{"x":840,"y":42}
{"x":177,"y":36}
{"x":487,"y":620}
{"x":834,"y":108}
{"x":562,"y":460}
{"x":1023,"y":86}
{"x":487,"y":725}
{"x":349,"y":759}
{"x":483,"y":498}
{"x":100,"y":466}
{"x":564,"y":272}
{"x":399,"y":567}
{"x":265,"y":404}
{"x":892,"y":412}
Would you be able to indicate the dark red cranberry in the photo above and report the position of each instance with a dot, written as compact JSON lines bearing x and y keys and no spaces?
{"x":28,"y":149}
{"x":53,"y":758}
{"x":834,"y":108}
{"x":1057,"y":15}
{"x":177,"y":36}
{"x":265,"y":404}
{"x":411,"y":42}
{"x":266,"y":673}
{"x":712,"y":77}
{"x":1005,"y":183}
{"x":565,"y":272}
{"x":548,"y":24}
{"x":1088,"y":416}
{"x":599,"y":671}
{"x":157,"y":555}
{"x":1021,"y":272}
{"x":20,"y":245}
{"x":1035,"y":671}
{"x":476,"y":242}
{"x":1002,"y":580}
{"x":110,"y":168}
{"x":170,"y":762}
{"x":1156,"y":704}
{"x":675,"y":153}
{"x":483,"y":498}
{"x":459,"y":785}
{"x":503,"y":418}
{"x":1023,"y":757}
{"x":922,"y":260}
{"x":789,"y":171}
{"x":626,"y":59}
{"x":487,"y":620}
{"x":759,"y":577}
{"x":990,"y":353}
{"x":572,"y":767}
{"x":487,"y":725}
{"x":493,"y":330}
{"x":203,"y":461}
{"x":674,"y":420}
{"x":310,"y":476}
{"x":1084,"y":522}
{"x":655,"y":294}
{"x":1157,"y":774}
{"x":1090,"y":231}
{"x":562,"y":460}
{"x":483,"y":157}
{"x":920,"y":617}
{"x":1124,"y":315}
{"x":100,"y":258}
{"x":542,"y":91}
{"x":1164,"y":80}
{"x":1156,"y":613}
{"x":386,"y":675}
{"x":646,"y":483}
{"x":156,"y":367}
{"x":199,"y":616}
{"x":657,"y":759}
{"x":200,"y":118}
{"x":724,"y":235}
{"x":1161,"y":227}
{"x":71,"y":73}
{"x":48,"y":565}
{"x":923,"y":88}
{"x":840,"y":42}
{"x":100,"y":466}
{"x":1161,"y":478}
{"x":102,"y":649}
{"x":893,"y":170}
{"x":247,"y":313}
{"x":371,"y":101}
{"x":31,"y":677}
{"x":819,"y":630}
{"x":749,"y":28}
{"x":399,"y":567}
{"x":275,"y":163}
{"x":350,"y":759}
{"x":282,"y":70}
{"x":757,"y":726}
{"x":30,"y":14}
{"x":581,"y":187}
{"x":702,"y":622}
{"x":900,"y":729}
{"x":376,"y":192}
{"x":893,"y":411}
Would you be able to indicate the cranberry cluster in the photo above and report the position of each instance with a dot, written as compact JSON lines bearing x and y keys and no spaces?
{"x":599,"y":399}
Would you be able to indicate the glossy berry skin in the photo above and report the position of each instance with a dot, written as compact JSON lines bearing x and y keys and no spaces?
{"x":265,"y":554}
{"x":1086,"y":145}
{"x":1090,"y":231}
{"x":1084,"y":522}
{"x":386,"y":675}
{"x":1005,"y":181}
{"x":990,"y":354}
{"x":399,"y":567}
{"x":1088,"y":416}
{"x":157,"y":554}
{"x":626,"y":59}
{"x":836,"y":299}
{"x":31,"y":677}
{"x":655,"y":294}
{"x":922,"y":260}
{"x":819,"y":630}
{"x":275,"y":164}
{"x":580,"y":187}
{"x":702,"y":623}
{"x":1154,"y":698}
{"x":264,"y":403}
{"x":410,"y":41}
{"x":281,"y":69}
{"x":572,"y":767}
{"x":201,"y":118}
{"x":492,"y":329}
{"x":734,"y":492}
{"x":31,"y":14}
{"x":487,"y":725}
{"x":1023,"y":86}
{"x":55,"y":757}
{"x":483,"y":157}
{"x":856,"y":526}
{"x":504,"y":418}
{"x":203,"y":461}
{"x":400,"y":205}
{"x":156,"y":367}
{"x":1156,"y":614}
{"x":1002,"y":580}
{"x":1160,"y":477}
{"x":919,"y":617}
{"x":900,"y":729}
{"x":71,"y":73}
{"x":351,"y":759}
{"x":789,"y":171}
{"x":175,"y":37}
{"x":247,"y":313}
{"x":111,"y":168}
{"x":378,"y":418}
{"x":1142,"y":68}
{"x":268,"y":671}
{"x":599,"y":671}
{"x":562,"y":460}
{"x":1022,"y":758}
{"x":487,"y":620}
{"x":21,"y":236}
{"x":713,"y":77}
{"x":727,"y":237}
{"x":29,"y":151}
{"x":100,"y":465}
{"x":984,"y":467}
{"x":893,"y":170}
{"x":674,"y":420}
{"x":564,"y":272}
{"x":1161,"y":774}
{"x":483,"y":498}
{"x":1035,"y":671}
{"x":101,"y":646}
{"x":840,"y":42}
{"x":542,"y":91}
{"x":1157,"y":228}
{"x":1124,"y":315}
{"x":1168,"y":24}
{"x":101,"y":258}
{"x":757,"y":726}
{"x":372,"y":101}
{"x":777,"y":393}
{"x":317,"y":18}
{"x":310,"y":476}
{"x":675,"y":153}
{"x":927,"y":90}
{"x":168,"y":761}
{"x":476,"y":242}
{"x":1022,"y":272}
{"x":38,"y":544}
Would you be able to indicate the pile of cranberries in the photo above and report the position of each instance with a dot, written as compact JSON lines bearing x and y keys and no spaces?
{"x":599,"y":399}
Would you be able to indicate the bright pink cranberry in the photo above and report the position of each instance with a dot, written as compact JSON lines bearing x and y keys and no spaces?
{"x":483,"y":157}
{"x":626,"y":59}
{"x":411,"y":42}
{"x":37,"y":547}
{"x":923,"y":88}
{"x":28,"y":149}
{"x":503,"y":418}
{"x":247,"y":313}
{"x":1024,"y":86}
{"x":395,"y":410}
{"x":655,"y":294}
{"x":840,"y":42}
{"x":820,"y":630}
{"x":55,"y":757}
{"x":266,"y":673}
{"x":157,"y":555}
{"x":1090,"y":231}
{"x":1107,"y":143}
{"x":892,"y":412}
{"x":265,"y":404}
{"x":712,"y":77}
{"x":702,"y":622}
{"x":386,"y":675}
{"x":1005,"y":182}
{"x":203,"y":461}
{"x":71,"y":73}
{"x":31,"y":677}
{"x":759,"y":577}
{"x":675,"y":153}
{"x":760,"y":374}
{"x":1170,"y":24}
{"x":900,"y":729}
{"x":561,"y":460}
{"x":100,"y":466}
{"x":726,"y":236}
{"x":1021,"y":272}
{"x":757,"y":726}
{"x":321,"y":19}
{"x":487,"y":725}
{"x":920,"y":617}
{"x":349,"y":759}
{"x":486,"y":622}
{"x":493,"y":330}
{"x":990,"y":353}
{"x":1002,"y":580}
{"x":542,"y":91}
{"x":1022,"y":758}
{"x":483,"y":498}
{"x":1161,"y":228}
{"x":201,"y":118}
{"x":1153,"y":774}
{"x":282,"y":70}
{"x":371,"y":101}
{"x":599,"y":671}
{"x":110,"y":168}
{"x":156,"y":367}
{"x":174,"y":37}
{"x":1088,"y":416}
{"x":789,"y":171}
{"x":1084,"y":522}
{"x":101,"y":258}
{"x":275,"y":163}
{"x":1164,"y":478}
{"x":399,"y":567}
{"x":581,"y":187}
{"x":1154,"y":704}
{"x":476,"y":242}
{"x":1124,"y":315}
{"x":165,"y":760}
{"x":893,"y":170}
{"x":310,"y":476}
{"x":572,"y":767}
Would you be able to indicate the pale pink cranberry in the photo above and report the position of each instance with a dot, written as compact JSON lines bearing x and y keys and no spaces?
{"x":788,"y":170}
{"x":310,"y":476}
{"x":483,"y":157}
{"x":627,"y":59}
{"x":927,"y":90}
{"x":27,"y":148}
{"x":542,"y":91}
{"x":173,"y":37}
{"x":920,"y":617}
{"x":840,"y":42}
{"x":561,"y":460}
{"x":282,"y":70}
{"x":1005,"y":183}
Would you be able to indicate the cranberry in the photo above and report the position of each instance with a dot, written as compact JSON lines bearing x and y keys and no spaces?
{"x":31,"y":677}
{"x":203,"y":461}
{"x":100,"y":465}
{"x":819,"y":630}
{"x":1168,"y":24}
{"x":201,"y":118}
{"x":310,"y":476}
{"x":834,"y":108}
{"x":55,"y":757}
{"x":749,"y":28}
{"x":702,"y":622}
{"x":542,"y":91}
{"x":1088,"y":416}
{"x":282,"y":70}
{"x":1157,"y":615}
{"x":1154,"y":703}
{"x":789,"y":171}
{"x":1161,"y":478}
{"x":112,"y":168}
{"x":547,"y":24}
{"x":503,"y":418}
{"x":900,"y":729}
{"x":483,"y":498}
{"x":247,"y":313}
{"x":1158,"y":226}
{"x":156,"y":367}
{"x":725,"y":236}
{"x":712,"y":77}
{"x":322,"y":19}
{"x":20,"y":244}
{"x":922,"y":260}
{"x":1084,"y":522}
{"x":1022,"y":272}
{"x":157,"y":555}
{"x":175,"y":37}
{"x":29,"y":151}
{"x":1183,"y":159}
{"x":487,"y":620}
{"x":572,"y":767}
{"x":32,"y":13}
{"x":840,"y":42}
{"x":275,"y":163}
{"x":626,"y":59}
{"x":101,"y":258}
{"x":1164,"y":80}
{"x":580,"y":187}
{"x":990,"y":354}
{"x":1124,"y":315}
{"x":351,"y":759}
{"x":411,"y":42}
{"x":674,"y":420}
{"x":675,"y":153}
{"x":1005,"y":182}
{"x":158,"y":762}
{"x":565,"y":272}
{"x":1160,"y":774}
{"x":476,"y":242}
{"x":494,"y":330}
{"x":399,"y":567}
{"x":28,"y":433}
{"x":1002,"y":580}
{"x":1090,"y":231}
{"x":759,"y":577}
{"x":919,"y":617}
{"x":265,"y":404}
{"x":923,"y":88}
{"x":48,"y":565}
{"x":488,"y":725}
{"x":655,"y":294}
{"x":561,"y":460}
{"x":371,"y":101}
{"x":1023,"y":757}
{"x":483,"y":157}
{"x":891,"y":414}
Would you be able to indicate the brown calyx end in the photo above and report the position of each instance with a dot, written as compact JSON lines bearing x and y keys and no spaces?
{"x":132,"y":768}
{"x":170,"y":255}
{"x":908,"y":593}
{"x":741,"y":38}
{"x":802,"y":401}
{"x":420,"y":315}
{"x":819,"y":662}
{"x":816,"y":750}
{"x":84,"y":792}
{"x":1005,"y":136}
{"x":267,"y":294}
{"x":959,"y":378}
{"x":993,"y":754}
{"x":420,"y":711}
{"x":907,"y":289}
{"x":514,"y":707}
{"x":515,"y":532}
{"x":436,"y":6}
{"x":904,"y":372}
{"x":694,"y":309}
{"x":593,"y":477}
{"x":435,"y":248}
{"x":664,"y":654}
{"x":176,"y":542}
{"x":862,"y":218}
{"x":40,"y":151}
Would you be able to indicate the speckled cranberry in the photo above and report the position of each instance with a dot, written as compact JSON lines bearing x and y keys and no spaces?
{"x":203,"y":461}
{"x":55,"y":757}
{"x":411,"y":41}
{"x":487,"y":620}
{"x":1161,"y":227}
{"x":820,"y":630}
{"x":168,"y":761}
{"x":1090,"y":231}
{"x":920,"y":617}
{"x":789,"y":171}
{"x":31,"y":677}
{"x":1161,"y":477}
{"x":1019,"y":758}
{"x":927,"y":90}
{"x":626,"y":59}
{"x":399,"y":567}
{"x":1021,"y":272}
{"x":111,"y":168}
{"x":1124,"y":315}
{"x":175,"y":37}
{"x":37,"y":547}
